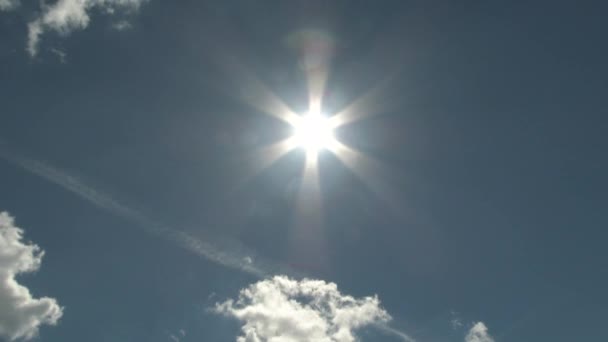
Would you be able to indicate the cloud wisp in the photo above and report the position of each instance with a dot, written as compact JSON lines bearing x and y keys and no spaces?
{"x":8,"y":5}
{"x":283,"y":309}
{"x":232,"y":255}
{"x":21,"y":315}
{"x":395,"y":332}
{"x":65,"y":16}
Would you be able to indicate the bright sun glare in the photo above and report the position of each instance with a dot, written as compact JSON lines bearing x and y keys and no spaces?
{"x":314,"y":132}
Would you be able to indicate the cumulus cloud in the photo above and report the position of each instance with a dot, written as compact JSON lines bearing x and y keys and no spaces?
{"x":479,"y":333}
{"x":285,"y":310}
{"x":65,"y":16}
{"x":20,"y":314}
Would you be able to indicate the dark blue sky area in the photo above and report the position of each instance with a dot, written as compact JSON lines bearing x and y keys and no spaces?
{"x":491,"y":129}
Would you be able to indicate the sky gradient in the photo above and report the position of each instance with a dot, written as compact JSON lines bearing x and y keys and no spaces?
{"x":134,"y":152}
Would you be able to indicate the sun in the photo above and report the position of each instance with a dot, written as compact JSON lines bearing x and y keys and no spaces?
{"x":313,"y":132}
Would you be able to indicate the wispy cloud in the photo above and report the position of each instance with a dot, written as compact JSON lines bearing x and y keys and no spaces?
{"x":455,"y":320}
{"x":177,"y":336}
{"x":65,"y":16}
{"x":121,"y":25}
{"x":61,"y":55}
{"x":21,"y":315}
{"x":7,"y":5}
{"x":395,"y":332}
{"x":232,"y":254}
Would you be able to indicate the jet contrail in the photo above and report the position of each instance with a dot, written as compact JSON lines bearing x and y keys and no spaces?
{"x":392,"y":331}
{"x":238,"y":258}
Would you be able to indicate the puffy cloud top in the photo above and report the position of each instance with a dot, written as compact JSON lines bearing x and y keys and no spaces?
{"x":285,"y":310}
{"x":20,"y":314}
{"x":479,"y":333}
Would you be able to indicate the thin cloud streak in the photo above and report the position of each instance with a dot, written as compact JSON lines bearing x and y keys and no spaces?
{"x":392,"y":331}
{"x":235,"y":258}
{"x":374,"y":102}
{"x":372,"y":173}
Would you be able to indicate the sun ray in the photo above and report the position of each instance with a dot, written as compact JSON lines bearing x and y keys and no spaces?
{"x":316,"y":48}
{"x":261,"y":159}
{"x":373,"y":102}
{"x":255,"y":93}
{"x":371,"y":173}
{"x":307,"y":239}
{"x":268,"y":155}
{"x":316,"y":80}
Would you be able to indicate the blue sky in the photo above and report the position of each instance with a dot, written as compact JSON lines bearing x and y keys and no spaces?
{"x":133,"y":152}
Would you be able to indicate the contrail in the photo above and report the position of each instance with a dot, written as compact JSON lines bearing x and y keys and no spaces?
{"x":236,"y":258}
{"x":392,"y":331}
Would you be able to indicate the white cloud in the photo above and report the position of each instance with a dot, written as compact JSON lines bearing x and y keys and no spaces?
{"x":285,"y":310}
{"x":479,"y":333}
{"x":65,"y":16}
{"x":20,"y":314}
{"x":34,"y":30}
